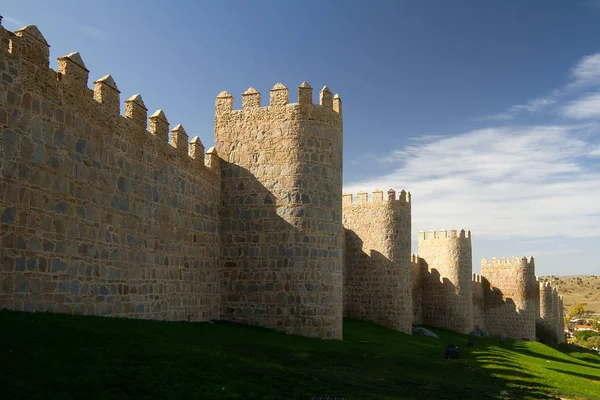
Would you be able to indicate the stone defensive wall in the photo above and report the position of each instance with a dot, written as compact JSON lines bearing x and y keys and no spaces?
{"x":511,"y":297}
{"x":550,"y":320}
{"x":99,"y":214}
{"x":418,"y":271}
{"x":281,"y":245}
{"x":478,"y":302}
{"x":377,"y":269}
{"x":446,"y":280}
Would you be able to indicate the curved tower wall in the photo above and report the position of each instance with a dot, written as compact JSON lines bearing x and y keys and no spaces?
{"x":547,"y":318}
{"x":560,"y":322}
{"x":377,"y":285}
{"x":511,"y":297}
{"x":282,"y":211}
{"x":447,"y":300}
{"x":478,"y":302}
{"x":557,"y":314}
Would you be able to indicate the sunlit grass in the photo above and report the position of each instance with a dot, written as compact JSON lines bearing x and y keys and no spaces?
{"x":64,"y":357}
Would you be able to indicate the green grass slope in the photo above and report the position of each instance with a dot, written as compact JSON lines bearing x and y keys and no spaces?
{"x":51,"y":356}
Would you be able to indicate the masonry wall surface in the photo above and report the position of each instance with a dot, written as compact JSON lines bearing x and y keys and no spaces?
{"x":282,"y":211}
{"x":547,"y":317}
{"x":447,"y":287}
{"x":418,"y":272}
{"x":511,"y":296}
{"x":478,"y":302}
{"x":98,"y":216}
{"x":377,"y":278}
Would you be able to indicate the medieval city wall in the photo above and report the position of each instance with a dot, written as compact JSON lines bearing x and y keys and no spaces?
{"x":446,"y":283}
{"x":560,"y":321}
{"x":478,"y":302}
{"x":103,"y":214}
{"x":282,"y":211}
{"x":511,"y":297}
{"x":546,"y":327}
{"x":98,"y":215}
{"x":418,"y":271}
{"x":377,"y":274}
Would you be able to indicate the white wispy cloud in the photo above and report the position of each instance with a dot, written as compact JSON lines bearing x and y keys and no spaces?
{"x":12,"y":21}
{"x":531,"y":106}
{"x":585,"y":74}
{"x":585,"y":107}
{"x":524,"y":182}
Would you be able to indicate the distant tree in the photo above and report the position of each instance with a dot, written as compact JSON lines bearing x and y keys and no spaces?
{"x":583,"y":336}
{"x":577,"y":310}
{"x":592,"y":342}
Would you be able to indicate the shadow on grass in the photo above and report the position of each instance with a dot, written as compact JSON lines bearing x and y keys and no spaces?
{"x":571,"y":360}
{"x":580,"y":353}
{"x":113,"y":358}
{"x":578,"y":374}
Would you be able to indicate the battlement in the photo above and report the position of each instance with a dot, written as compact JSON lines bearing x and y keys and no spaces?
{"x":514,"y":261}
{"x":28,"y":47}
{"x":545,"y":286}
{"x":278,"y":98}
{"x":476,"y":278}
{"x":443,"y":234}
{"x":415,"y":259}
{"x":376,"y":197}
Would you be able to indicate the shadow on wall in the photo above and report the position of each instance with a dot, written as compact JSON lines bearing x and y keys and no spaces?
{"x":369,"y":288}
{"x":281,"y":257}
{"x":503,"y":317}
{"x":436,"y":303}
{"x":438,"y":297}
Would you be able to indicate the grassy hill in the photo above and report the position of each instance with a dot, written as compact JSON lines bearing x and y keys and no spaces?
{"x":55,"y":356}
{"x":583,"y":288}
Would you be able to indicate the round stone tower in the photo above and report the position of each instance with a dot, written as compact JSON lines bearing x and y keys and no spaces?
{"x":281,"y":196}
{"x":547,"y":315}
{"x":448,"y":288}
{"x":512,"y":298}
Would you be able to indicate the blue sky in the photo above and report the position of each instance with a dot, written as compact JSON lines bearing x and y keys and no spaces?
{"x":487,"y":111}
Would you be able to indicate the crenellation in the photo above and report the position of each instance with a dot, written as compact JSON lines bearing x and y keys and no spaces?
{"x":377,"y":195}
{"x":279,"y":95}
{"x":159,"y":125}
{"x":213,"y":161}
{"x":362,"y":197}
{"x":391,"y":195}
{"x":107,"y":94}
{"x":326,"y":98}
{"x":250,"y":99}
{"x":347,"y":198}
{"x":30,"y":44}
{"x":72,"y":70}
{"x":136,"y":110}
{"x":305,"y":94}
{"x":223,"y":103}
{"x":197,"y":151}
{"x":337,"y":104}
{"x":179,"y":139}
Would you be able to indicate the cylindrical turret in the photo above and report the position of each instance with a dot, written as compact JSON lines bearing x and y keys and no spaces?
{"x":450,"y":267}
{"x":511,"y":304}
{"x":282,"y":211}
{"x":547,"y":317}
